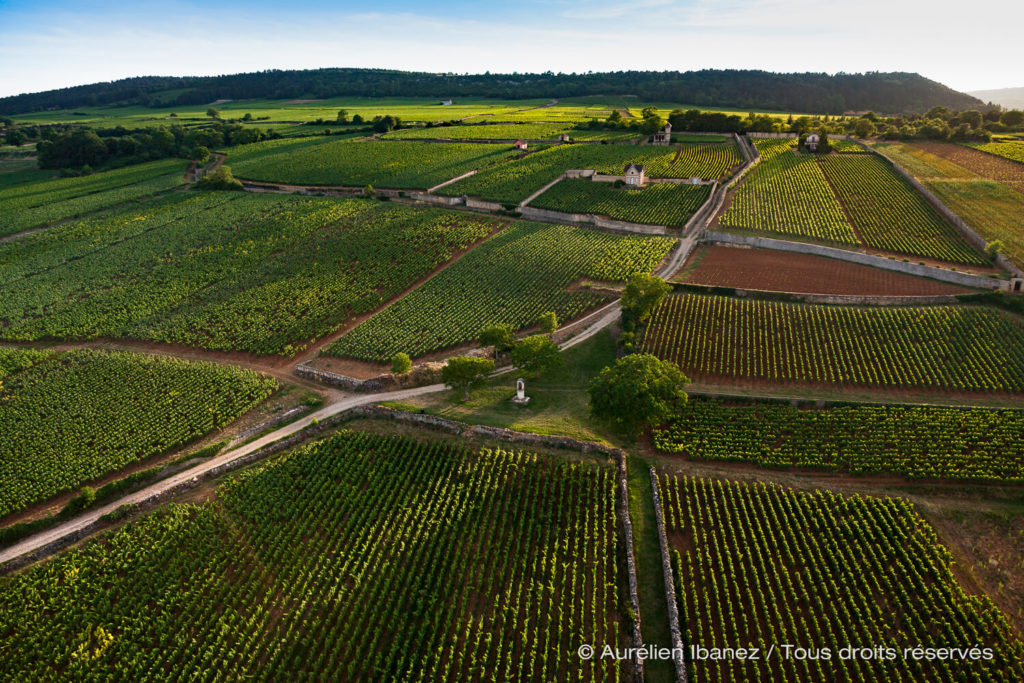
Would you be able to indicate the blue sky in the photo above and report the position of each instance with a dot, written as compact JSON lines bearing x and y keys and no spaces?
{"x":48,"y":43}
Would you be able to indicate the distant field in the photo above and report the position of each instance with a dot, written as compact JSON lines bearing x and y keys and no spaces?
{"x":17,"y":171}
{"x":83,"y":414}
{"x":322,"y":161}
{"x":526,"y":131}
{"x":661,"y":204}
{"x":229,"y":271}
{"x":763,"y":565}
{"x":428,"y":561}
{"x":31,"y":204}
{"x":1011,"y":149}
{"x":986,"y":165}
{"x":781,"y":271}
{"x":511,"y":279}
{"x":994,"y":208}
{"x":515,"y":180}
{"x":946,"y":348}
{"x":914,"y":441}
{"x":847,"y":199}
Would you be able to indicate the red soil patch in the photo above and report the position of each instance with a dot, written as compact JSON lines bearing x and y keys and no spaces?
{"x":779,"y":271}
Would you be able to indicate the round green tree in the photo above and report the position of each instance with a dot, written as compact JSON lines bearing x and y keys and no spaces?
{"x":636,"y":392}
{"x":401,"y":363}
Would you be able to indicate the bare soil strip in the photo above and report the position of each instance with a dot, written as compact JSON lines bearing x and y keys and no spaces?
{"x":777,"y":271}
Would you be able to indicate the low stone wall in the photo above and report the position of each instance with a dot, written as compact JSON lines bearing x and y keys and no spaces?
{"x":835,"y":299}
{"x":668,"y":577}
{"x":772,"y":135}
{"x":957,"y":278}
{"x":452,"y":180}
{"x":472,"y":203}
{"x":440,"y":200}
{"x":542,"y":190}
{"x":580,"y":173}
{"x":699,"y":220}
{"x":549,"y":216}
{"x":421,"y":375}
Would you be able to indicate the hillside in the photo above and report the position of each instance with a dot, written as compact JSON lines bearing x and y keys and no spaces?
{"x":804,"y":92}
{"x":1011,"y":98}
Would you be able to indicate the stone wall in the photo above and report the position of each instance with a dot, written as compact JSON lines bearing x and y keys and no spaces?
{"x":942,"y":274}
{"x":440,"y":200}
{"x":836,"y":299}
{"x":667,"y":576}
{"x":700,"y":218}
{"x":549,"y":216}
{"x":472,"y":203}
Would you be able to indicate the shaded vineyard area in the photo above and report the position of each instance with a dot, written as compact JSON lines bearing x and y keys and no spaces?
{"x":360,"y":557}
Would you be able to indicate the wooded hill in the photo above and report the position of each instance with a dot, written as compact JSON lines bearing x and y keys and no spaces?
{"x":815,"y":93}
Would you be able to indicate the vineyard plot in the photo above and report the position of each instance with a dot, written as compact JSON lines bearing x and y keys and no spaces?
{"x":238,"y":272}
{"x":915,"y":441}
{"x":511,"y":279}
{"x":994,"y":208}
{"x":845,"y":199}
{"x":890,"y":215}
{"x":788,"y":194}
{"x":28,"y":205}
{"x":759,"y":565}
{"x":399,"y":164}
{"x":84,"y":414}
{"x":360,"y":557}
{"x":657,"y":204}
{"x":945,"y":348}
{"x":515,"y":180}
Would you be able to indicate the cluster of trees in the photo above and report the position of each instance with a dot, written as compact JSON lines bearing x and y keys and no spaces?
{"x":747,"y":89}
{"x":81,"y":147}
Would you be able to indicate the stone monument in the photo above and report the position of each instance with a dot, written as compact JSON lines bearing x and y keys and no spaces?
{"x":521,"y":399}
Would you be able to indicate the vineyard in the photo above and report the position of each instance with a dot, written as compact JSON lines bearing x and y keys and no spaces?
{"x":788,"y":194}
{"x":511,"y":279}
{"x":1008,"y":149}
{"x":515,"y":180}
{"x":83,"y":414}
{"x":415,"y":165}
{"x":842,"y":146}
{"x":242,"y":272}
{"x":12,"y":360}
{"x":760,"y":565}
{"x":889,"y":214}
{"x":658,"y":204}
{"x":361,"y":557}
{"x":27,"y":205}
{"x":991,"y":166}
{"x":914,"y":441}
{"x":994,"y":209}
{"x":846,"y":199}
{"x":946,"y":348}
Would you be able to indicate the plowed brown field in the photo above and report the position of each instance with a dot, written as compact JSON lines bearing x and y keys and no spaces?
{"x":779,"y":271}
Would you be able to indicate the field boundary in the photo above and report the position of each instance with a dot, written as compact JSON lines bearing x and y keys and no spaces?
{"x":833,"y":299}
{"x":954,"y":277}
{"x":670,"y":584}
